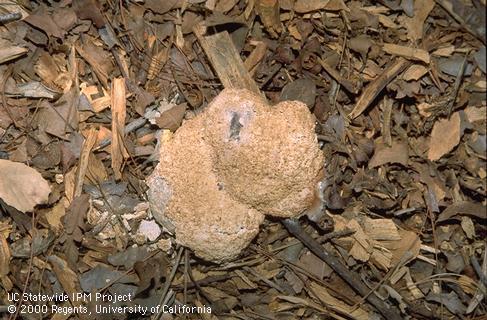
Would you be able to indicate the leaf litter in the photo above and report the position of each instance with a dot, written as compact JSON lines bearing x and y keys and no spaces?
{"x":91,"y":89}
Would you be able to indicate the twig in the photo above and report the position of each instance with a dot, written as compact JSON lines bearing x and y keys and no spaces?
{"x":389,"y":312}
{"x":338,"y":78}
{"x":386,"y":121}
{"x":375,"y":87}
{"x":10,"y":17}
{"x":336,"y":234}
{"x":478,"y":269}
{"x":456,"y":85}
{"x":132,"y":126}
{"x":449,"y":8}
{"x":169,"y":279}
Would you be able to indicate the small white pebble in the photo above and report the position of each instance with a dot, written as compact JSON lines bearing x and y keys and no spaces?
{"x":150,"y":229}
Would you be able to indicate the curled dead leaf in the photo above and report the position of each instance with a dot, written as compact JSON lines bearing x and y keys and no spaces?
{"x":445,"y":136}
{"x":21,"y":186}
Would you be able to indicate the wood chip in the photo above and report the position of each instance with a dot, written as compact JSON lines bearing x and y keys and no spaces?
{"x":226,"y":60}
{"x":414,"y":72}
{"x":119,"y":110}
{"x":12,"y":52}
{"x":407,"y":52}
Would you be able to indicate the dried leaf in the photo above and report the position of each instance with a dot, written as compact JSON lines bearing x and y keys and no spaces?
{"x":55,"y":215}
{"x":73,"y":220}
{"x":468,"y":227}
{"x":89,"y":9}
{"x":21,"y":186}
{"x":314,"y":265}
{"x":161,"y":6}
{"x":463,"y":208}
{"x":66,"y":277}
{"x":323,"y":295}
{"x":305,"y":6}
{"x":99,"y":276}
{"x":303,"y":90}
{"x":44,"y":21}
{"x":98,"y":59}
{"x":225,"y":5}
{"x":415,"y":25}
{"x":398,"y":152}
{"x":381,"y":229}
{"x":171,"y":118}
{"x":268,"y":11}
{"x":4,"y":257}
{"x":451,"y":301}
{"x":445,"y":136}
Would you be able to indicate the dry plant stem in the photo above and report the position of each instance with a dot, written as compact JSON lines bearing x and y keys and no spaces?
{"x":389,"y":312}
{"x":263,"y":279}
{"x":169,"y":279}
{"x":445,"y":5}
{"x":478,"y":269}
{"x":386,"y":121}
{"x":132,"y":126}
{"x":29,"y":273}
{"x":83,"y":161}
{"x":375,"y":87}
{"x":336,"y":75}
{"x":9,"y":17}
{"x":456,"y":86}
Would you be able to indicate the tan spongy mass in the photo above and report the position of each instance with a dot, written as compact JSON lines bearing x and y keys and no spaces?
{"x":229,"y":166}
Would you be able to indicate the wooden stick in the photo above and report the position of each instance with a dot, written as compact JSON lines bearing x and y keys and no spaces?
{"x":226,"y":61}
{"x":375,"y":87}
{"x":389,"y":312}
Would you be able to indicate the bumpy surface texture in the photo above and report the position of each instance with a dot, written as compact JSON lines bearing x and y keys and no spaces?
{"x":229,"y":166}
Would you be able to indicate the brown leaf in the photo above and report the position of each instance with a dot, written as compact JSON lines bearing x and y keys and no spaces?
{"x":56,"y":120}
{"x":161,"y":6}
{"x":73,"y":220}
{"x":54,"y":216}
{"x":21,"y":186}
{"x":171,"y":119}
{"x":268,"y":11}
{"x":336,"y":304}
{"x":463,"y":208}
{"x":415,"y":25}
{"x":98,"y":59}
{"x":397,"y":153}
{"x":44,"y":21}
{"x":4,"y":257}
{"x":65,"y":18}
{"x":445,"y":136}
{"x":314,"y":265}
{"x":407,"y":247}
{"x":66,"y":277}
{"x":225,"y":5}
{"x":89,"y":9}
{"x":305,"y":6}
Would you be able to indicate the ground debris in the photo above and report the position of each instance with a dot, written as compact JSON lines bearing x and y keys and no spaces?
{"x":91,"y":91}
